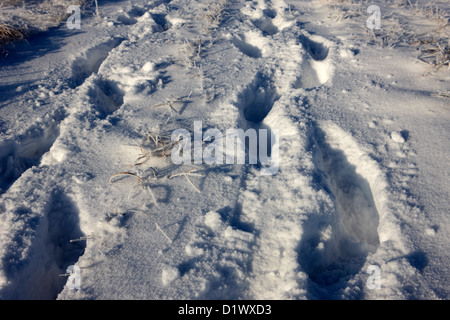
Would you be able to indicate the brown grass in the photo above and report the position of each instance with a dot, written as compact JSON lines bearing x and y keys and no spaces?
{"x":32,"y":14}
{"x":9,"y":34}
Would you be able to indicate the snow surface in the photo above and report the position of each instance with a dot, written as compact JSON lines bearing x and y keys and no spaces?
{"x":362,"y":144}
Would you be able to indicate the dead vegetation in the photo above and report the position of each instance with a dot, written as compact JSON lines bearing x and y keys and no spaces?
{"x":157,"y":147}
{"x":9,"y":34}
{"x":22,"y":18}
{"x":430,"y":40}
{"x":434,"y":53}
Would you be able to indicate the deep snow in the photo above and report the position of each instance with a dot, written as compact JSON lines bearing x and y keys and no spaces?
{"x":360,"y":128}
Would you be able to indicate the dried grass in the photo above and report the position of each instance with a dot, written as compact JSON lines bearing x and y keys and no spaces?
{"x":433,"y":52}
{"x":9,"y":34}
{"x":431,"y":42}
{"x":19,"y":18}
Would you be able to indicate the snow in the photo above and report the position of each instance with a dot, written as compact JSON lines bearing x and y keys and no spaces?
{"x":355,"y":127}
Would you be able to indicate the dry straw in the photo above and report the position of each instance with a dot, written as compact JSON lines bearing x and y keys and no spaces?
{"x":9,"y":34}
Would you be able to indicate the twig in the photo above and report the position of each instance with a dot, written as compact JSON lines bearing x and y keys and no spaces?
{"x":186,"y":174}
{"x":445,"y":94}
{"x":171,"y":102}
{"x":149,"y":190}
{"x":126,"y":173}
{"x":84,"y":238}
{"x":164,"y":234}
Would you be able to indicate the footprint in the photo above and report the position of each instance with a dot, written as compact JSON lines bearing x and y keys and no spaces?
{"x":418,"y":260}
{"x":137,"y":12}
{"x":258,"y":98}
{"x":266,"y":25}
{"x":270,"y":13}
{"x":400,"y":137}
{"x":18,"y":156}
{"x":255,"y":103}
{"x":262,"y":17}
{"x":39,"y":249}
{"x":90,"y":63}
{"x":316,"y":67}
{"x":309,"y":78}
{"x":126,"y":19}
{"x":106,"y":96}
{"x":162,"y":24}
{"x":131,"y":17}
{"x":63,"y":225}
{"x":316,"y":50}
{"x":222,"y":244}
{"x":245,"y":47}
{"x":334,"y":249}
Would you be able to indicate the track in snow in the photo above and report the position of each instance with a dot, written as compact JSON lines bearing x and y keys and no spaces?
{"x":27,"y":150}
{"x":255,"y":103}
{"x":91,"y":61}
{"x":333,"y":251}
{"x":224,"y":253}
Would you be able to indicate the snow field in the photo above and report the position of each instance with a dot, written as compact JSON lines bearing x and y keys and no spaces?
{"x":78,"y":186}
